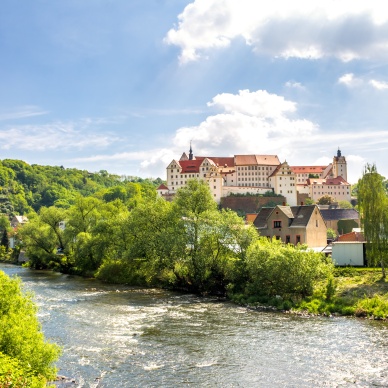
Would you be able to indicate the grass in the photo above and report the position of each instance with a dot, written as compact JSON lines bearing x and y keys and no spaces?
{"x":358,"y":291}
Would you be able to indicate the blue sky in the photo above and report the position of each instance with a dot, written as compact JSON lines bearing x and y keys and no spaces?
{"x":125,"y":85}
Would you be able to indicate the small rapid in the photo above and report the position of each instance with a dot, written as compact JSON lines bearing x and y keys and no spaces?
{"x":117,"y":336}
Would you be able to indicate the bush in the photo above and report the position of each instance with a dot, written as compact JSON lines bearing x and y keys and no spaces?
{"x":14,"y":374}
{"x":119,"y":272}
{"x":21,"y":337}
{"x":277,"y":269}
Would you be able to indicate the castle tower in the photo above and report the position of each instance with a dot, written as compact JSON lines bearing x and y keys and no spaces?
{"x":339,"y":166}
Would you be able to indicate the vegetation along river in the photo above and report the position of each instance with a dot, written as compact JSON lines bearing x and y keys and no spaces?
{"x":114,"y":336}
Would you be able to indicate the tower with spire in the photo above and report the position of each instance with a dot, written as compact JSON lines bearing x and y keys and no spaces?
{"x":339,"y":166}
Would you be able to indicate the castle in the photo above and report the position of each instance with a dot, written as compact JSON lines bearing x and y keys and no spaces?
{"x":257,"y":174}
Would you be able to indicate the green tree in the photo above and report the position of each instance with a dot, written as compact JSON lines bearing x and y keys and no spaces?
{"x":278,"y":269}
{"x":325,"y":200}
{"x":345,"y":205}
{"x":373,"y":206}
{"x":21,"y":337}
{"x":331,"y":234}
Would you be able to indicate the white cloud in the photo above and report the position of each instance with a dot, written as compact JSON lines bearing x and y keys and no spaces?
{"x":294,"y":85}
{"x":281,"y":28}
{"x":351,"y":81}
{"x":263,"y":123}
{"x":57,"y":135}
{"x":347,"y":79}
{"x":378,"y":84}
{"x":22,"y":112}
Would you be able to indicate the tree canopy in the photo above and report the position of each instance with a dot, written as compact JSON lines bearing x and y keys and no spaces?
{"x":373,"y":206}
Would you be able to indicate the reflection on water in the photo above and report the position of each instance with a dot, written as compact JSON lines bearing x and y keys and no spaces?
{"x":115,"y":336}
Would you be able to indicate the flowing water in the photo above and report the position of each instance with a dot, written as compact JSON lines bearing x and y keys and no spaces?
{"x":114,"y":336}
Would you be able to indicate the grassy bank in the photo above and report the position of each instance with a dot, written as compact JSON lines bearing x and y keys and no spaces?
{"x":360,"y":292}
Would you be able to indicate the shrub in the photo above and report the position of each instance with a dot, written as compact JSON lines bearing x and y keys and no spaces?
{"x":21,"y":337}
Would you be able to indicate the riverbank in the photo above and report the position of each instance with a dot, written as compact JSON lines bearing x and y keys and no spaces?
{"x":360,"y":292}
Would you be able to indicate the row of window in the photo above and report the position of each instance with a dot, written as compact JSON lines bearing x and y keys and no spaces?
{"x":253,"y":168}
{"x":330,"y":193}
{"x":250,"y":184}
{"x":252,"y":179}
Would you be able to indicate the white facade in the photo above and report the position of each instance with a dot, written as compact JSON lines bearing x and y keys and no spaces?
{"x":348,"y":253}
{"x":258,"y":174}
{"x":283,"y":181}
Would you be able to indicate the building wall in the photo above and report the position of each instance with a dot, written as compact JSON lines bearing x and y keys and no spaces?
{"x":254,"y":175}
{"x":338,"y":192}
{"x":316,"y":230}
{"x":349,"y":253}
{"x":283,"y":182}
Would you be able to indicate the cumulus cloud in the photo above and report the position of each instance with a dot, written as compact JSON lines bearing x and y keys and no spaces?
{"x":302,"y":28}
{"x":259,"y":122}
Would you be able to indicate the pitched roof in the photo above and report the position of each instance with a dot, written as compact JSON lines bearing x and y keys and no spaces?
{"x":254,"y":160}
{"x":162,"y":187}
{"x":298,"y":215}
{"x":189,"y":166}
{"x":329,"y":181}
{"x":302,"y":215}
{"x":261,"y":218}
{"x":339,"y":214}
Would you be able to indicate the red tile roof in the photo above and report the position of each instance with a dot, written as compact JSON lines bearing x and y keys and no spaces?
{"x":253,"y":160}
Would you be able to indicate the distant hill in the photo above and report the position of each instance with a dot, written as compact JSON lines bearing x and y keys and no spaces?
{"x":25,"y":187}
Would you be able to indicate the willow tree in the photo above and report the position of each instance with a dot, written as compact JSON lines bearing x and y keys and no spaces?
{"x":373,"y":206}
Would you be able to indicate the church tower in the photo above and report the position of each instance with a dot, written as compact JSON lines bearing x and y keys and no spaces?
{"x":339,"y":166}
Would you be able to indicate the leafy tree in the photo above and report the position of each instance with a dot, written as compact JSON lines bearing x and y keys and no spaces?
{"x":325,"y":200}
{"x":373,"y":206}
{"x":346,"y":226}
{"x":21,"y":337}
{"x":278,"y":269}
{"x":309,"y":201}
{"x":345,"y":205}
{"x":331,"y":234}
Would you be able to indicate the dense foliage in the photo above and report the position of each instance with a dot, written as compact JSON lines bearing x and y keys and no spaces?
{"x":373,"y":206}
{"x":24,"y":354}
{"x":186,"y":244}
{"x":24,"y":187}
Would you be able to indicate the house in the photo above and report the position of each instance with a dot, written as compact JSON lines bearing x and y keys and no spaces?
{"x":293,"y":225}
{"x":18,"y":220}
{"x":333,"y":216}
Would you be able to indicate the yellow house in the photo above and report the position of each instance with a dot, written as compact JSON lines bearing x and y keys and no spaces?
{"x":293,"y":225}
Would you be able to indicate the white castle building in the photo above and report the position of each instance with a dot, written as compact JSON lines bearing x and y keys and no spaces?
{"x":257,"y":174}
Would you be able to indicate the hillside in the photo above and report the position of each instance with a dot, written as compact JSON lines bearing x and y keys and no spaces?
{"x":25,"y":187}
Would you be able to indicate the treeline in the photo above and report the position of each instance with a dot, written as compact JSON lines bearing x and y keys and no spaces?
{"x":187,"y":244}
{"x":25,"y":187}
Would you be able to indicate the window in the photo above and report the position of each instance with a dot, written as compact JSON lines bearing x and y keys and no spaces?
{"x":298,"y":239}
{"x":288,"y":239}
{"x":277,"y":224}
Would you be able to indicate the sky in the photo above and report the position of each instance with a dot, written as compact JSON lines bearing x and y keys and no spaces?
{"x":126,"y":85}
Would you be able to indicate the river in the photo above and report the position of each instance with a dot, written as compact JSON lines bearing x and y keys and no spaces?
{"x":116,"y":336}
